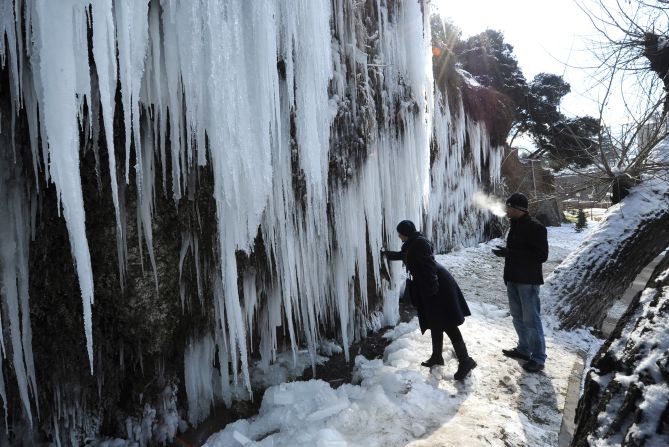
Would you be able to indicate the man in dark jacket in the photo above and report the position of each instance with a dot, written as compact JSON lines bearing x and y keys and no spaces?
{"x":438,"y":300}
{"x":526,"y":249}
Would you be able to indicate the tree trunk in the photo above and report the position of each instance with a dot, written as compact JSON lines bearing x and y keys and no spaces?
{"x":599,"y":271}
{"x":625,"y":394}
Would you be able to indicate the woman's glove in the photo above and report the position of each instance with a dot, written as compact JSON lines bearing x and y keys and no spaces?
{"x":500,"y":251}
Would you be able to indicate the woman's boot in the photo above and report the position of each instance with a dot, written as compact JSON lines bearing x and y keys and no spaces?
{"x":466,"y":363}
{"x":432,"y":361}
{"x":437,"y":342}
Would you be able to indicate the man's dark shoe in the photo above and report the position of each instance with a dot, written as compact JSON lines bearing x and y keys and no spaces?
{"x":533,"y":366}
{"x":515,"y":354}
{"x":463,"y":368}
{"x":432,"y":361}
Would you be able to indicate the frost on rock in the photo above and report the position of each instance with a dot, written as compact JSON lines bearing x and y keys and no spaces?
{"x":281,"y":141}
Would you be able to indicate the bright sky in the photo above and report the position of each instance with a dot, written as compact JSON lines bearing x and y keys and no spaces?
{"x":547,"y":36}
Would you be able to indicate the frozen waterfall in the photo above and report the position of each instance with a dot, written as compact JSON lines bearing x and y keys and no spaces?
{"x":318,"y":122}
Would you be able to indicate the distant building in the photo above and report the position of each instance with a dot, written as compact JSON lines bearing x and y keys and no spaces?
{"x":652,"y":131}
{"x":582,"y":190}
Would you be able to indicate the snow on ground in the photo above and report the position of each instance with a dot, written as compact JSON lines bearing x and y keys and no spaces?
{"x":396,"y":402}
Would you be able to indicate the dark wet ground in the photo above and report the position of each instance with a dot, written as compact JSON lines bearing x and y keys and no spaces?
{"x":335,"y":371}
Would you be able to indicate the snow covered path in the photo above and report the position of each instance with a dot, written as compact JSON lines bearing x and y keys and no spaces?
{"x":396,"y":402}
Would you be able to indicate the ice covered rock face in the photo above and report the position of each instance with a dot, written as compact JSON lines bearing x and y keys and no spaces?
{"x":224,"y":175}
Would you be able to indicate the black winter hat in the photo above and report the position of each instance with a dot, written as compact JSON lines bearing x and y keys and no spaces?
{"x":406,"y":228}
{"x":517,"y":201}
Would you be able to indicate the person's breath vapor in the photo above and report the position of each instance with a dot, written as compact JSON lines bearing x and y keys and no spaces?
{"x":490,"y":203}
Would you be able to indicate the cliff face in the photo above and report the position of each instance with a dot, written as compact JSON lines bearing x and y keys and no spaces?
{"x":192,"y":188}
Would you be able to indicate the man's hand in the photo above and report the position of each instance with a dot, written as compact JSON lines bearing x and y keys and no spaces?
{"x":383,"y":251}
{"x":500,"y":251}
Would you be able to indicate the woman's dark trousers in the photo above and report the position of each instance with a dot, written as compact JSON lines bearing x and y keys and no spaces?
{"x":456,"y":339}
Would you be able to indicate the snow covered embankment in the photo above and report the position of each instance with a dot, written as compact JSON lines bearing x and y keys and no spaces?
{"x":630,"y":236}
{"x":625,"y":401}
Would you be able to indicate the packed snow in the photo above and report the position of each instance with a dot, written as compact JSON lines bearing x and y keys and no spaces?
{"x":396,"y":402}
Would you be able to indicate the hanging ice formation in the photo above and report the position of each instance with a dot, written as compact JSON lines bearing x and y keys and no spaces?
{"x":314,"y":120}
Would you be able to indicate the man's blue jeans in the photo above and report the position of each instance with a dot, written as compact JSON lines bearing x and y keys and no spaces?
{"x":526,"y":314}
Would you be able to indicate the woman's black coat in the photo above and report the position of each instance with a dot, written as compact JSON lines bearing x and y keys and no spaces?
{"x":434,"y":292}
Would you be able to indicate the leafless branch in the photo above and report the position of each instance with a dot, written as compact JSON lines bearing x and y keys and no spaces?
{"x":624,"y":27}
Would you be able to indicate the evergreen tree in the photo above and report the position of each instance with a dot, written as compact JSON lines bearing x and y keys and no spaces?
{"x":581,"y":221}
{"x":492,"y":62}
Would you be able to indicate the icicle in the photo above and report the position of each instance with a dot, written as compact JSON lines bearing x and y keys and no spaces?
{"x":56,"y":431}
{"x":185,"y":247}
{"x":196,"y":262}
{"x":235,"y":321}
{"x":221,"y":340}
{"x":250,"y":300}
{"x":82,"y":69}
{"x":30,"y":104}
{"x":57,"y":77}
{"x":8,"y":267}
{"x":8,"y":55}
{"x":104,"y":52}
{"x":14,"y":273}
{"x":131,"y":39}
{"x":313,"y":70}
{"x":198,"y":377}
{"x":10,"y":295}
{"x":121,"y":235}
{"x":3,"y":394}
{"x":144,"y":176}
{"x":22,"y":231}
{"x":154,"y":94}
{"x":174,"y":94}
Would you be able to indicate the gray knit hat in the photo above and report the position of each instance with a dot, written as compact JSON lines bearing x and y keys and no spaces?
{"x":517,"y":201}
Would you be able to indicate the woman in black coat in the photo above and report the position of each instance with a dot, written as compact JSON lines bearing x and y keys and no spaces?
{"x":435,"y":294}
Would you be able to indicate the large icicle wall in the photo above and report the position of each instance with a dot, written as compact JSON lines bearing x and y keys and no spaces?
{"x":224,"y":175}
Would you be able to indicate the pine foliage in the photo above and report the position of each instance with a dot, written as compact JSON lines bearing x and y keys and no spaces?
{"x":581,"y":221}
